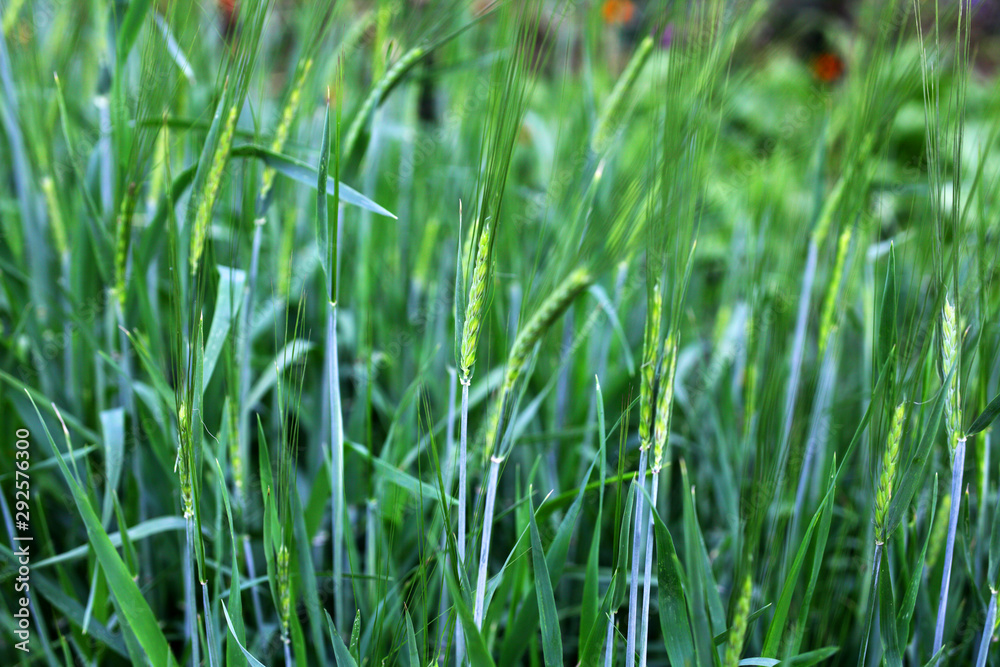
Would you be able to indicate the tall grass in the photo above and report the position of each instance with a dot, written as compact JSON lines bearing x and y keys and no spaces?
{"x":232,"y":268}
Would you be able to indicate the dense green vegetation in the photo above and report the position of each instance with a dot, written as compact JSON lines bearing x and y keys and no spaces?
{"x":371,"y":333}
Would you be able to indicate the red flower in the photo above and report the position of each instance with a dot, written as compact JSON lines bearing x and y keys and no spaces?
{"x":618,"y":11}
{"x":827,"y":67}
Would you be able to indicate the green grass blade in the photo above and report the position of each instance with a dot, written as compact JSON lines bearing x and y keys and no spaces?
{"x":113,"y":429}
{"x":135,"y":533}
{"x":340,"y":651}
{"x":302,"y":173}
{"x":887,"y":318}
{"x":986,"y":418}
{"x":474,"y":644}
{"x":132,"y":22}
{"x":323,"y":242}
{"x":227,"y":305}
{"x":411,"y":642}
{"x":134,"y":608}
{"x":254,"y":662}
{"x":909,"y":602}
{"x":307,"y":577}
{"x":551,"y":635}
{"x":887,"y":617}
{"x":674,"y":621}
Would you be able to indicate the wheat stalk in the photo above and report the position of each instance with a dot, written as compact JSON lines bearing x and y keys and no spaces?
{"x":647,"y":391}
{"x":471,"y":327}
{"x":956,"y":440}
{"x":661,"y":436}
{"x":548,"y":312}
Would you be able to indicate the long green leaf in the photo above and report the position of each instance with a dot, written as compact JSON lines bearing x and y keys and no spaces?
{"x":887,"y":616}
{"x":887,"y":317}
{"x":254,"y":662}
{"x":134,"y":608}
{"x":326,"y":259}
{"x":411,"y":642}
{"x":227,"y":306}
{"x":399,"y":477}
{"x":113,"y":430}
{"x":131,"y":24}
{"x":673,"y":603}
{"x":340,"y":651}
{"x":987,"y":417}
{"x":137,"y":532}
{"x":474,"y":643}
{"x":912,"y":588}
{"x":303,"y":173}
{"x":549,"y":616}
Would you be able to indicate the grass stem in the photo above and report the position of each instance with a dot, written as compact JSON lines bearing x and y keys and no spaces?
{"x":957,"y":466}
{"x":633,"y":595}
{"x":647,"y":575}
{"x":991,"y":619}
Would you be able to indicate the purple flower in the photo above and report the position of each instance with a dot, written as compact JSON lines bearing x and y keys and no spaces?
{"x":667,"y":36}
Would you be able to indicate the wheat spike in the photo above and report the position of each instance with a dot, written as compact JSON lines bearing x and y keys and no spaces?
{"x":949,"y":350}
{"x":647,"y":384}
{"x":285,"y":125}
{"x":826,"y":320}
{"x":211,"y":190}
{"x":547,"y":313}
{"x":664,"y":400}
{"x":475,"y":306}
{"x":890,"y":458}
{"x":737,"y":632}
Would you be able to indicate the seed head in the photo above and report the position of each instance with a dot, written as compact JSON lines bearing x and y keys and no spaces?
{"x":211,"y":189}
{"x":890,"y":458}
{"x":664,"y":401}
{"x":547,"y":313}
{"x":826,"y":320}
{"x":648,"y":372}
{"x":475,"y":306}
{"x":284,"y":590}
{"x":285,"y":125}
{"x":741,"y":616}
{"x":949,"y":353}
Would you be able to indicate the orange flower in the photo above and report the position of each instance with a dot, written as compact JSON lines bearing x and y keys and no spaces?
{"x":618,"y":11}
{"x":828,"y":67}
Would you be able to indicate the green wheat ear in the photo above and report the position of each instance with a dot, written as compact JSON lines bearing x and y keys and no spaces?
{"x":547,"y":313}
{"x":285,"y":125}
{"x":663,"y":402}
{"x":949,"y":353}
{"x":182,"y":463}
{"x":741,"y":616}
{"x":476,"y":304}
{"x":123,"y":231}
{"x":211,"y":191}
{"x":826,"y":321}
{"x":284,"y":590}
{"x":890,"y":459}
{"x":55,"y":216}
{"x":648,"y":372}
